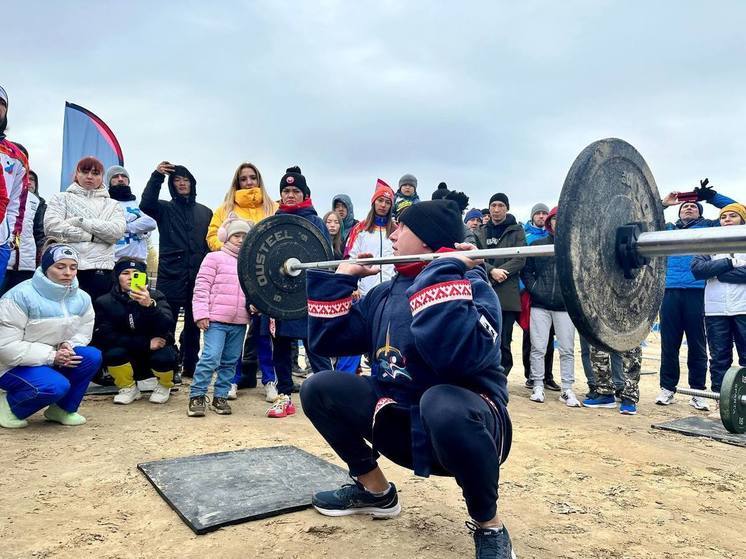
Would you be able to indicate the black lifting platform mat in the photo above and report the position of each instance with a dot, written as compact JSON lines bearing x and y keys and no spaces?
{"x":702,"y":427}
{"x":215,"y":490}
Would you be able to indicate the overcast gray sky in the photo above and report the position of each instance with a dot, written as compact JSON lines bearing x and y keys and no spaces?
{"x":488,"y":96}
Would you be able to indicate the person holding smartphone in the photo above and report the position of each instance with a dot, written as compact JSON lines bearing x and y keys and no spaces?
{"x":182,"y":233}
{"x":135,"y":331}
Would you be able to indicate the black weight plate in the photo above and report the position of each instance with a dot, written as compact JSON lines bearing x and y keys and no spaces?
{"x":608,"y":185}
{"x":266,"y":248}
{"x":732,"y":409}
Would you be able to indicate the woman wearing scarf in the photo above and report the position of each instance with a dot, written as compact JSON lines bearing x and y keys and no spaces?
{"x":246,"y":199}
{"x":371,"y":236}
{"x":295,"y":198}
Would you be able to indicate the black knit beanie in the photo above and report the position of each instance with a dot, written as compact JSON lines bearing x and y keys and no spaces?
{"x":293,"y":177}
{"x":440,"y":192}
{"x":127,"y":263}
{"x":500,"y":197}
{"x":436,"y":222}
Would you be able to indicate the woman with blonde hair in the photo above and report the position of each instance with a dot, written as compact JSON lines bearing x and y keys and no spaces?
{"x":246,"y":199}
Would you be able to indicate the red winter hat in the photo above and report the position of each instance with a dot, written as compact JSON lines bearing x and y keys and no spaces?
{"x":382,"y":190}
{"x":548,"y":223}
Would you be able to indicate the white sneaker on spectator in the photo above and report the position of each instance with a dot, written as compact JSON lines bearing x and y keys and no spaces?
{"x":233,"y":392}
{"x":160,"y":394}
{"x":570,"y":400}
{"x":537,"y":395}
{"x":270,"y":390}
{"x":128,"y":395}
{"x":699,"y":403}
{"x":665,"y":397}
{"x":147,"y":385}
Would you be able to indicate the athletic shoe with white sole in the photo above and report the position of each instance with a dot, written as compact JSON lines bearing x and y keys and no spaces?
{"x":569,"y":399}
{"x":353,"y":498}
{"x":491,"y":544}
{"x":699,"y":403}
{"x":628,"y":407}
{"x":160,"y":394}
{"x":665,"y":397}
{"x":233,"y":392}
{"x":600,"y":401}
{"x":537,"y":395}
{"x":270,"y":391}
{"x":147,"y":385}
{"x":128,"y":395}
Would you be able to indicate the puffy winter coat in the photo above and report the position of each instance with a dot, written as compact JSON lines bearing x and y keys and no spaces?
{"x":121,"y":322}
{"x":512,"y":235}
{"x":725,"y":292}
{"x":217,"y":291}
{"x":679,"y":268}
{"x":36,"y":316}
{"x":533,"y":232}
{"x":23,"y":255}
{"x":378,"y":244}
{"x":182,"y":229}
{"x":540,"y":277}
{"x":87,"y":220}
{"x":249,"y":206}
{"x":13,"y":189}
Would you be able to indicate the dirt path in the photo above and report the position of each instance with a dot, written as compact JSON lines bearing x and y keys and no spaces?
{"x":578,"y":484}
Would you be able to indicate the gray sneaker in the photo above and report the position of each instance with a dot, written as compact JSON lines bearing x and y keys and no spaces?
{"x":221,"y":406}
{"x":197,"y":406}
{"x":491,"y":544}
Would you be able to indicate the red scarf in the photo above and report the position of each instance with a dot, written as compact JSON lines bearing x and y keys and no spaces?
{"x":292,"y":209}
{"x":411,"y":269}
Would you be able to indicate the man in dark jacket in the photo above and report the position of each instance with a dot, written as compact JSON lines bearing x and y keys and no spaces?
{"x":135,"y":332}
{"x":501,"y":231}
{"x":682,"y":310}
{"x":436,"y":399}
{"x":182,"y":233}
{"x":547,"y":310}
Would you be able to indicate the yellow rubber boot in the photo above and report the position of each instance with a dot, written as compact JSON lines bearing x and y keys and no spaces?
{"x":162,"y":392}
{"x":123,"y":375}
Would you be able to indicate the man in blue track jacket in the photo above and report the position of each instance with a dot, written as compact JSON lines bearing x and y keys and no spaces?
{"x":436,"y":398}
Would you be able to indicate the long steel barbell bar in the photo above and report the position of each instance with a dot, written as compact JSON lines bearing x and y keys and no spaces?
{"x":704,"y":394}
{"x":711,"y":240}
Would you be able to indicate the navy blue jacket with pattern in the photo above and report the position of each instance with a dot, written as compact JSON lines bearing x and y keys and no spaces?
{"x":439,"y":327}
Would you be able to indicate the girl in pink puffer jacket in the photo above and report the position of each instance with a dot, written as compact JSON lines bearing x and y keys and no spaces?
{"x":219,"y":309}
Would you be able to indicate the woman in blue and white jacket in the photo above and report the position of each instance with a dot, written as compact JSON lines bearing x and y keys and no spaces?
{"x":46,"y":324}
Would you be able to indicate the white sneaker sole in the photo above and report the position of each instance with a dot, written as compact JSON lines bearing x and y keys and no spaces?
{"x":375,"y":512}
{"x":121,"y":403}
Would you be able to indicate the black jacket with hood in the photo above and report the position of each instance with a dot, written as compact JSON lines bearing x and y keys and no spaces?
{"x":182,"y":230}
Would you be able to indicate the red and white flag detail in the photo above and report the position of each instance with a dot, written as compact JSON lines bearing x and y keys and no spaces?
{"x":458,"y":290}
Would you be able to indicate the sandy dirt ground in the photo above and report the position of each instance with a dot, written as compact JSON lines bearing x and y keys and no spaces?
{"x":579,"y":483}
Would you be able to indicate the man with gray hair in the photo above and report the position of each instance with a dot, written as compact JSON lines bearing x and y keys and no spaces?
{"x":134,"y":243}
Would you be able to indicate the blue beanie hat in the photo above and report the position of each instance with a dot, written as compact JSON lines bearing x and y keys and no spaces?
{"x":56,"y":253}
{"x":473,"y":213}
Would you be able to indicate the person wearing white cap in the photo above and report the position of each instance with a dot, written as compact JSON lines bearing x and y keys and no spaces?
{"x":13,"y":178}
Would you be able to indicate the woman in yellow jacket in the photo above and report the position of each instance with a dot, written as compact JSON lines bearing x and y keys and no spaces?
{"x":246,"y":199}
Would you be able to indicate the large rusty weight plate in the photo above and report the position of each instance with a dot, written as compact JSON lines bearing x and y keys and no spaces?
{"x":608,"y":185}
{"x":266,"y":248}
{"x":732,"y":407}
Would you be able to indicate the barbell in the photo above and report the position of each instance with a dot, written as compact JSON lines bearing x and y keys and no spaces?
{"x":609,"y":250}
{"x":732,"y":399}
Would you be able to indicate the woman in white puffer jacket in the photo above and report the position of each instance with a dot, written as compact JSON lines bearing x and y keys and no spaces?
{"x":46,"y":324}
{"x":87,"y":219}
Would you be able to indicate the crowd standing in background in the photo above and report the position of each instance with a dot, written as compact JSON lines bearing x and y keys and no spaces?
{"x":77,"y":303}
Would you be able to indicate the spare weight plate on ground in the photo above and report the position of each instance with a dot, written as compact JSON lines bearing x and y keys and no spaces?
{"x":266,"y":248}
{"x":732,"y":408}
{"x":608,"y":185}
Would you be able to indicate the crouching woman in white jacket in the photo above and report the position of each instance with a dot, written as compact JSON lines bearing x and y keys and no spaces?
{"x":46,"y":324}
